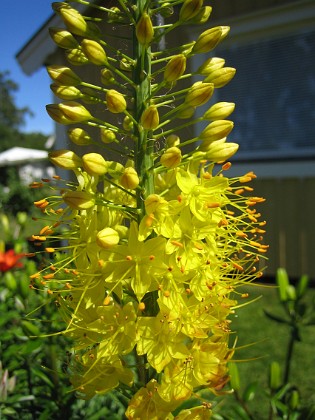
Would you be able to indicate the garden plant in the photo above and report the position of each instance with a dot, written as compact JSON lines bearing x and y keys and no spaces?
{"x":146,"y":237}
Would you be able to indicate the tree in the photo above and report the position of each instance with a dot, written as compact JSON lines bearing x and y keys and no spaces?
{"x":12,"y":118}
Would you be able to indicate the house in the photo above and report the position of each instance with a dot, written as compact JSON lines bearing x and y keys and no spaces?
{"x":272,"y":46}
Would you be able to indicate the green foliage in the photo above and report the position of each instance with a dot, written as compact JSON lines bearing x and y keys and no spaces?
{"x":33,"y":360}
{"x":14,"y":196}
{"x":285,"y":399}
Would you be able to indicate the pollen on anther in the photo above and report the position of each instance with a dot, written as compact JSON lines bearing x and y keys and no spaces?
{"x":128,"y":257}
{"x":152,"y":257}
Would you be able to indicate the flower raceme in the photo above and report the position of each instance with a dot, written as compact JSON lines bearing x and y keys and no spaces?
{"x":156,"y":238}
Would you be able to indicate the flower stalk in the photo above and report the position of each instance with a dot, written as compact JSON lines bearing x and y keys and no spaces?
{"x":156,"y":239}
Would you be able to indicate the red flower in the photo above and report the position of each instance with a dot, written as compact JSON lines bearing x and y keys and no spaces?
{"x":9,"y":260}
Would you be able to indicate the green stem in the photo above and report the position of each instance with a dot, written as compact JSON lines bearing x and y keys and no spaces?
{"x":144,"y":147}
{"x":288,"y":359}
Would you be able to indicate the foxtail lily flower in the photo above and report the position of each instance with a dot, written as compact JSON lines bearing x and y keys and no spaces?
{"x":155,"y":237}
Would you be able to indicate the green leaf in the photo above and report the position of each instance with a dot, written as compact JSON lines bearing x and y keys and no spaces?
{"x":241,"y":413}
{"x":41,"y":375}
{"x":276,"y":317}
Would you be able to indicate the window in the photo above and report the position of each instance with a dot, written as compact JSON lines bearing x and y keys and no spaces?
{"x":274,"y":88}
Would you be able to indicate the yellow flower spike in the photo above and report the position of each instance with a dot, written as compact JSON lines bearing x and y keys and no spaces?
{"x":209,"y":39}
{"x":107,"y":238}
{"x":216,"y":130}
{"x":65,"y":159}
{"x":199,"y":94}
{"x":219,"y":111}
{"x":107,"y":136}
{"x":190,"y":9}
{"x":115,"y":101}
{"x":67,"y":93}
{"x":220,"y":152}
{"x":94,"y":52}
{"x":79,"y":200}
{"x":144,"y":30}
{"x":175,"y":68}
{"x":129,"y":179}
{"x":63,"y":38}
{"x":76,"y":57}
{"x":150,"y":118}
{"x":210,"y":65}
{"x":221,"y":77}
{"x":74,"y":111}
{"x":63,"y":75}
{"x":171,"y":157}
{"x":107,"y":77}
{"x":79,"y":136}
{"x":94,"y":164}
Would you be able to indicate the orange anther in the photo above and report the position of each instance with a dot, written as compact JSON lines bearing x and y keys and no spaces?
{"x":49,"y":276}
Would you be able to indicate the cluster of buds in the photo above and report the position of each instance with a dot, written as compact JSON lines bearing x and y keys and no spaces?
{"x":156,"y":239}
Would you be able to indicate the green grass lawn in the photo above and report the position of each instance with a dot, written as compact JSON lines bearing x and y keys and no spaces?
{"x":266,"y":341}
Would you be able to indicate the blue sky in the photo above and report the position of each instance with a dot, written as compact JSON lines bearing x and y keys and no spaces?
{"x":19,"y":20}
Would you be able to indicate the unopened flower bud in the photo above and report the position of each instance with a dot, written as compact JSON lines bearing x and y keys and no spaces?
{"x":63,"y":75}
{"x":126,"y":65}
{"x":94,"y":164}
{"x":220,"y":151}
{"x":75,"y":111}
{"x":155,"y":204}
{"x":216,"y":130}
{"x":175,"y":68}
{"x":219,"y":111}
{"x":129,"y":178}
{"x":76,"y":57}
{"x":63,"y":38}
{"x":107,"y":77}
{"x":144,"y":30}
{"x":57,"y":115}
{"x":115,"y":15}
{"x":172,"y":140}
{"x":79,"y":136}
{"x":94,"y":52}
{"x":166,"y":9}
{"x":199,"y":94}
{"x":190,"y":9}
{"x":150,"y":118}
{"x":221,"y":77}
{"x":127,"y":123}
{"x":107,"y":136}
{"x":202,"y":16}
{"x":210,"y":65}
{"x":171,"y":157}
{"x":209,"y":39}
{"x":79,"y":200}
{"x":65,"y":159}
{"x":74,"y":21}
{"x":186,"y":112}
{"x":107,"y":238}
{"x":115,"y":101}
{"x":66,"y":92}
